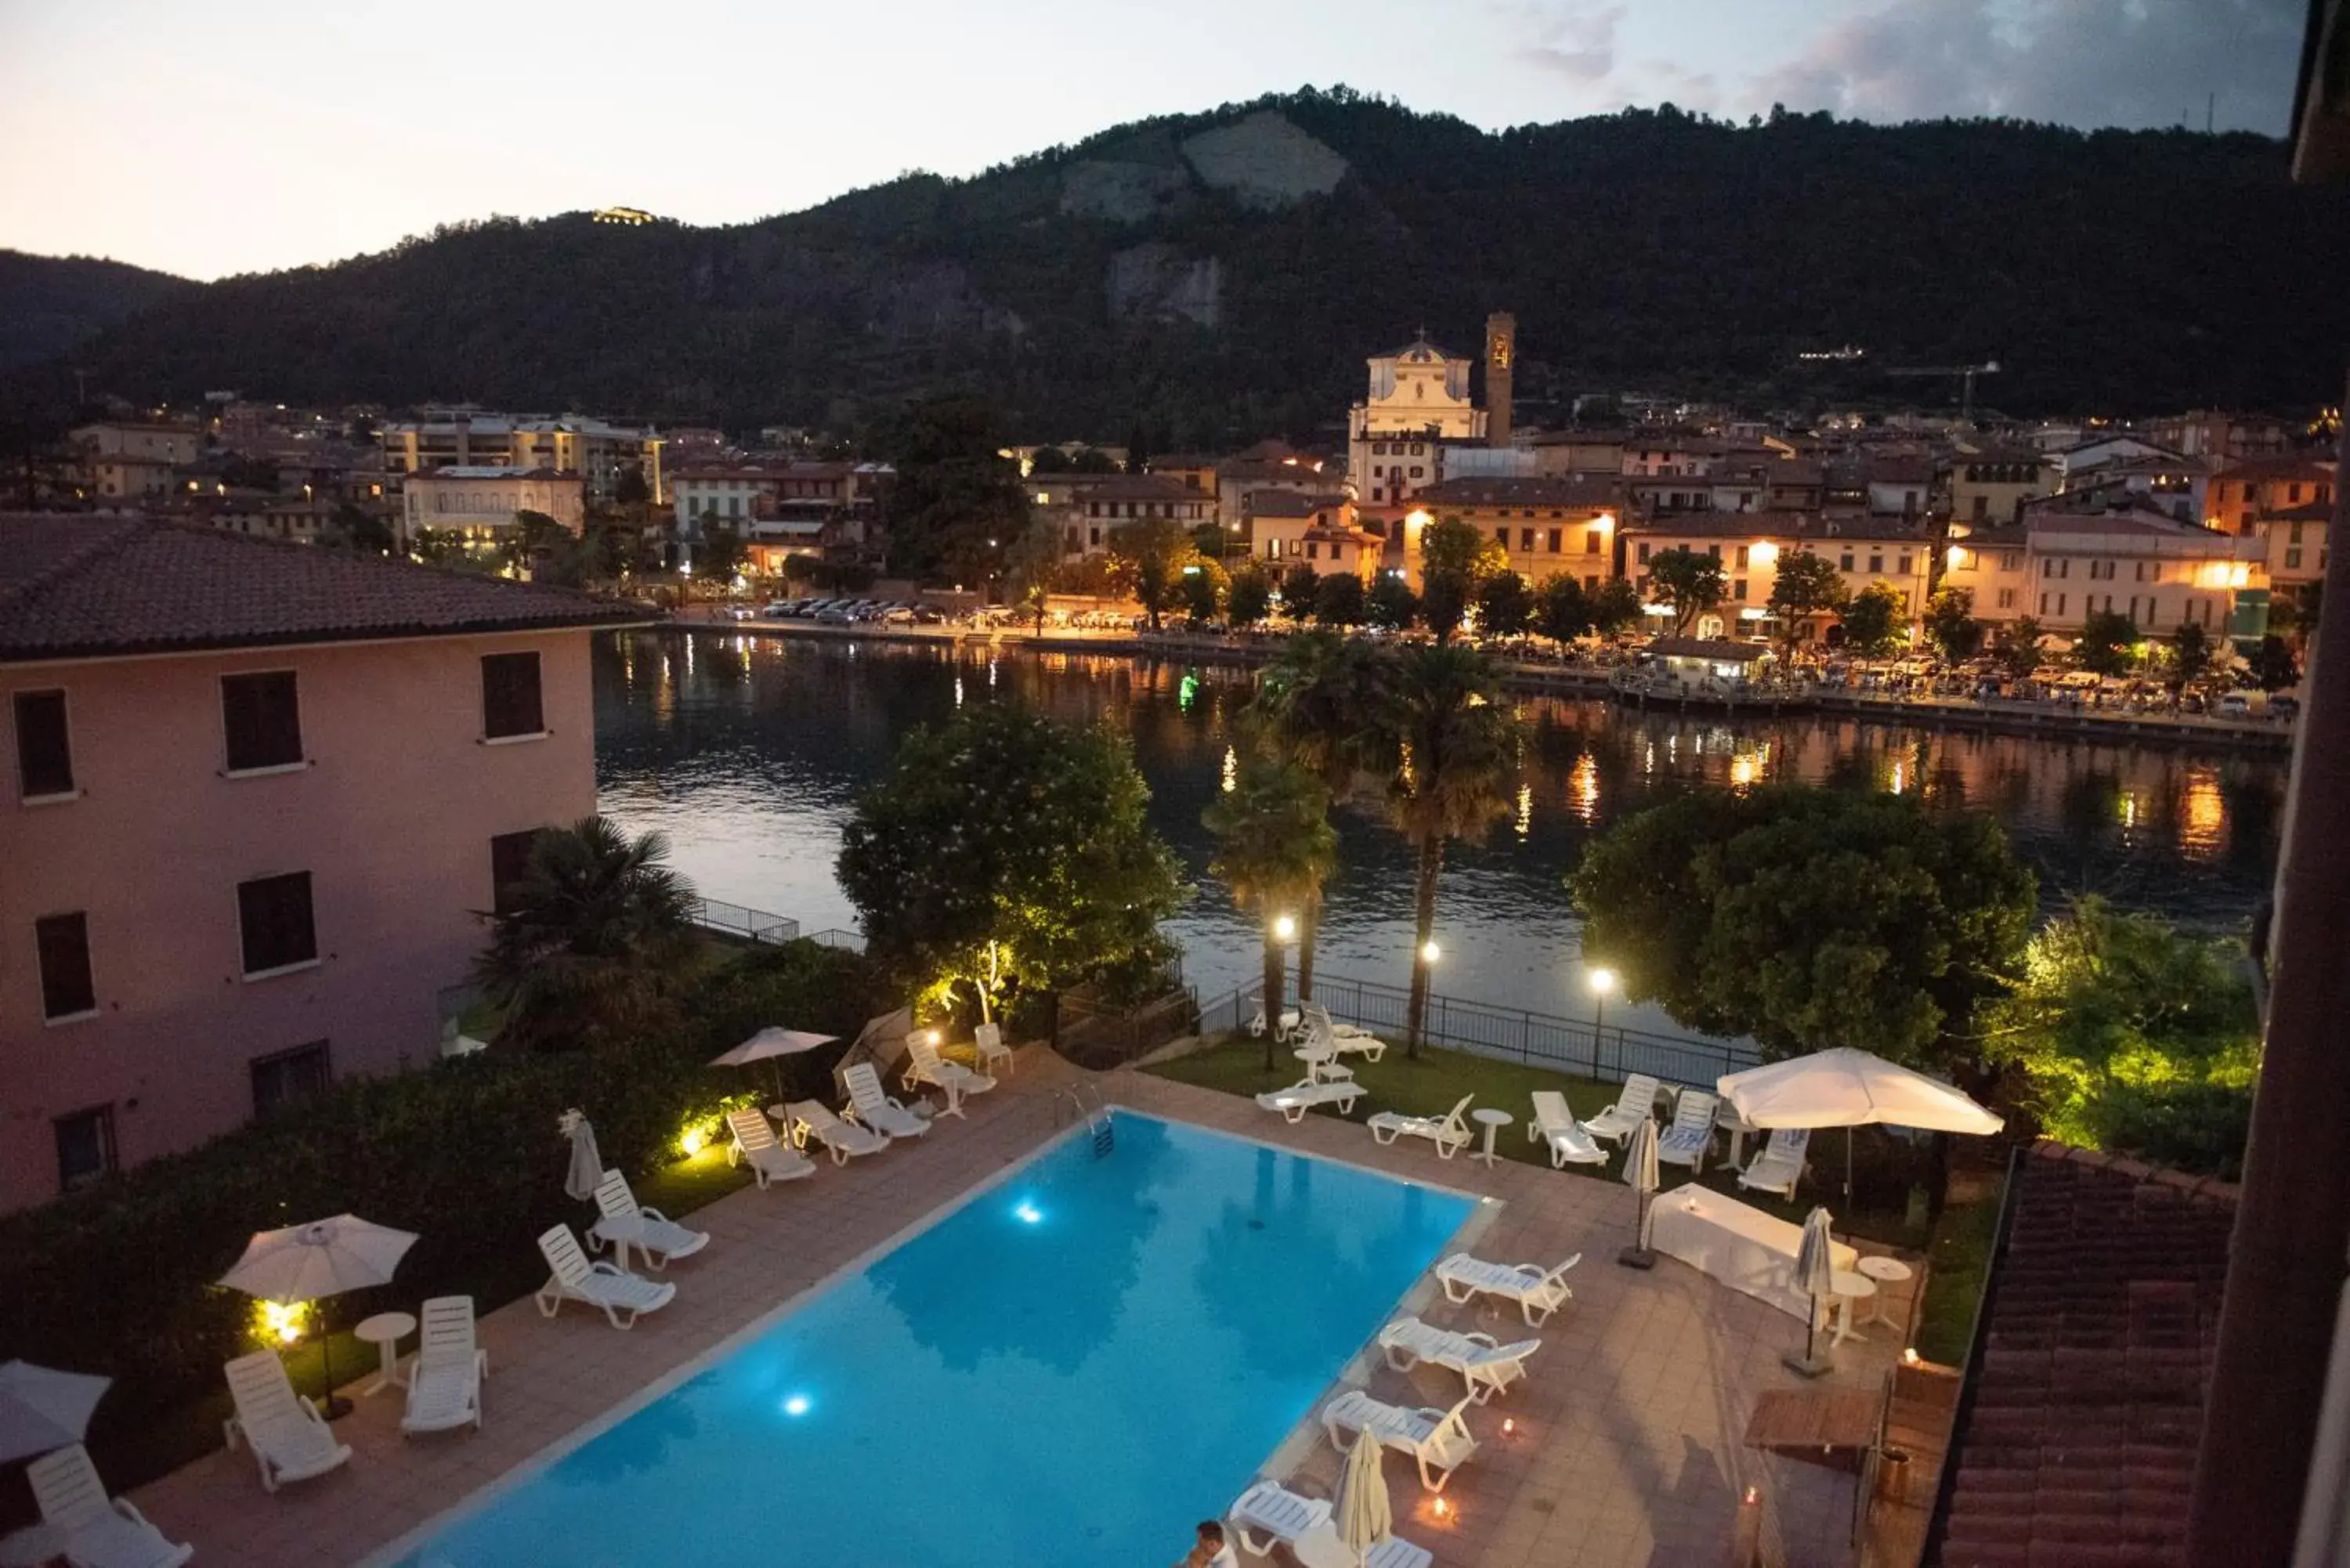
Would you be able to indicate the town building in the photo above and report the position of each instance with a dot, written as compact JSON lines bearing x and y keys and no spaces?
{"x":1087,"y":508}
{"x":2139,"y":562}
{"x":128,"y":459}
{"x":2242,"y":494}
{"x":600,"y":454}
{"x":255,"y":796}
{"x":1548,"y":525}
{"x":1419,"y":396}
{"x":1286,"y":529}
{"x":1270,"y":466}
{"x":2163,"y":481}
{"x":1864,"y":551}
{"x":480,"y":502}
{"x":1992,"y":563}
{"x":1989,"y":484}
{"x":2221,"y":438}
{"x":778,"y":507}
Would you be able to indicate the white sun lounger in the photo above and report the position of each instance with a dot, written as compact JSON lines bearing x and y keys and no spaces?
{"x":1691,"y":1134}
{"x":1438,"y":1440}
{"x":925,"y":1065}
{"x":99,"y":1531}
{"x":290,"y":1440}
{"x":1294,"y":1101}
{"x":626,"y":1224}
{"x":1321,"y":1029}
{"x":1571,"y":1142}
{"x":844,"y":1138}
{"x":1538,"y":1293}
{"x":1780,"y":1166}
{"x":877,"y":1108}
{"x":623,"y":1297}
{"x":1485,"y":1365}
{"x":756,"y":1140}
{"x":1448,"y":1133}
{"x":444,"y":1385}
{"x":1636,"y":1104}
{"x":1269,"y":1515}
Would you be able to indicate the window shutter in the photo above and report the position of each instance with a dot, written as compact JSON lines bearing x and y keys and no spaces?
{"x":44,"y":745}
{"x":262,"y":717}
{"x":275,"y":915}
{"x":510,"y":695}
{"x":64,"y":944}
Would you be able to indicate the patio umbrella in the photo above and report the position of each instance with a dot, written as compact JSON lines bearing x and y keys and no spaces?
{"x":771,"y":1044}
{"x":310,"y":1263}
{"x":1363,"y":1513}
{"x":1813,"y":1278}
{"x":41,"y":1409}
{"x":587,"y":1161}
{"x":1847,"y":1088}
{"x":1640,"y":1176}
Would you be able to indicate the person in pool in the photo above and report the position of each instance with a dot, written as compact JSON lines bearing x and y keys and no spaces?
{"x":1210,"y":1551}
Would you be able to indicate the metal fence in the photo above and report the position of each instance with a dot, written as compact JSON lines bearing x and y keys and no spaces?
{"x":1609,"y":1052}
{"x":1093,"y":1034}
{"x":755,"y":925}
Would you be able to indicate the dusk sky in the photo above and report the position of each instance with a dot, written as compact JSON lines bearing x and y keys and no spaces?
{"x":209,"y":139}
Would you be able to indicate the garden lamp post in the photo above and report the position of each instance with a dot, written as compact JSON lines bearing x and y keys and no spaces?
{"x":1601,"y":982}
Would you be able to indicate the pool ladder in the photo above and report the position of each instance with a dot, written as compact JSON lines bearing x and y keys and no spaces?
{"x":1099,"y":1121}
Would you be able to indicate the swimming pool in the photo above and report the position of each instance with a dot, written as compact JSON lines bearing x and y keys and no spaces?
{"x":1068,"y":1370}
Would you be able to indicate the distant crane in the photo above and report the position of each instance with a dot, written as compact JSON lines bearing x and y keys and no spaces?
{"x":1969,"y":373}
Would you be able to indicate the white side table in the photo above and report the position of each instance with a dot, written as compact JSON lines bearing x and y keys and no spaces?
{"x":1884,"y":1271}
{"x":1850,"y":1289}
{"x":385,"y":1330}
{"x":1494,"y":1119}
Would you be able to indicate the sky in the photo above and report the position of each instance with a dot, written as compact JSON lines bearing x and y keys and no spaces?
{"x":258,"y":134}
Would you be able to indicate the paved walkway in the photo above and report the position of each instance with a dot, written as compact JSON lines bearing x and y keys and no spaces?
{"x":1625,"y":1442}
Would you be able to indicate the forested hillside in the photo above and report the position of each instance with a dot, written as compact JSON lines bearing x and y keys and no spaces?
{"x":49,"y":304}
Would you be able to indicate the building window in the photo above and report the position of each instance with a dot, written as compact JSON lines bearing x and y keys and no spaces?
{"x":1741,"y":561}
{"x":1557,"y":537}
{"x":1502,"y":537}
{"x":2007,"y":598}
{"x":44,"y":745}
{"x":1591,"y":583}
{"x":85,"y":1146}
{"x":1876,"y":561}
{"x":1417,"y":470}
{"x":289,"y":1077}
{"x":262,"y":715}
{"x":1844,"y":561}
{"x":1738,"y":589}
{"x":63,"y":943}
{"x":1644,"y":552}
{"x":1526,"y":541}
{"x":2292,"y":560}
{"x":509,"y":862}
{"x":1904,"y":566}
{"x":274,"y":915}
{"x":2060,"y":603}
{"x":2044,"y":604}
{"x":1591,"y":541}
{"x":510,"y":696}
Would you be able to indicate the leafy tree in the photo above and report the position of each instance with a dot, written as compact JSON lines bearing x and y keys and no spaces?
{"x":1561,"y":612}
{"x":1250,"y":599}
{"x":1455,"y":561}
{"x":1048,"y":460}
{"x":1003,"y":851}
{"x":1299,"y":585}
{"x":1615,"y":606}
{"x":721,"y":554}
{"x":2134,"y":1038}
{"x":591,"y":941}
{"x":1689,"y":581}
{"x":1201,"y":587}
{"x":630,"y":489}
{"x":2273,"y":665}
{"x":1951,"y":623}
{"x":1873,"y":621}
{"x":2294,"y":612}
{"x":954,"y":491}
{"x":1807,"y":586}
{"x":2107,"y":644}
{"x":2190,"y":656}
{"x":1032,"y":568}
{"x":1505,"y":604}
{"x":1149,"y":556}
{"x":355,"y":529}
{"x":1137,"y":449}
{"x":1092,"y":460}
{"x":1450,"y":751}
{"x":1392,"y":605}
{"x":1339,"y":600}
{"x":1274,"y":849}
{"x":2019,"y":654}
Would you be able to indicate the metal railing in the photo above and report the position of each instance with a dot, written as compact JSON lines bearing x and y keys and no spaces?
{"x":1609,"y":1052}
{"x":835,"y":936}
{"x":756,"y":925}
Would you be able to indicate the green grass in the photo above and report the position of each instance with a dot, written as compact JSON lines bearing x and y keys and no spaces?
{"x":1961,"y":1256}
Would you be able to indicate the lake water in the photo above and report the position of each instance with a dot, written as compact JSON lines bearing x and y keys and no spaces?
{"x":749,"y":752}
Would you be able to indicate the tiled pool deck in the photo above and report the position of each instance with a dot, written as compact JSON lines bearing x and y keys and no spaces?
{"x":1625,"y":1450}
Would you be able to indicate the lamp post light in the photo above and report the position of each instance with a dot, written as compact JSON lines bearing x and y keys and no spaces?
{"x":1430,"y":952}
{"x":1601,"y":981}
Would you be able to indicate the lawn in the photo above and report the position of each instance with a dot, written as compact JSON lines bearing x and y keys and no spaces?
{"x":1961,"y":1258}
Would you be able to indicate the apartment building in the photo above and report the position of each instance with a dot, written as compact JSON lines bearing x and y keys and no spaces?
{"x":2242,"y":494}
{"x":1548,"y":525}
{"x":481,"y":501}
{"x":598,"y":452}
{"x":1864,"y":551}
{"x":125,"y":459}
{"x":256,"y":793}
{"x":1086,"y":508}
{"x":1286,"y":529}
{"x":2141,"y":563}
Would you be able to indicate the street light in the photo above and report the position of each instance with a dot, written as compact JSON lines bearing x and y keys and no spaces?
{"x":1284,"y":928}
{"x":1601,"y":982}
{"x":1430,"y":952}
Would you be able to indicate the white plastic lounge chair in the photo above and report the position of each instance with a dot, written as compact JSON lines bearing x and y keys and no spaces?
{"x":925,"y":1065}
{"x":291,"y":1441}
{"x":627,"y":1223}
{"x":988,"y":1048}
{"x":876,"y":1107}
{"x":844,"y":1138}
{"x":1691,"y":1134}
{"x":1636,"y":1104}
{"x":1571,"y":1142}
{"x":1346,"y":1037}
{"x":1294,"y":1101}
{"x":1449,"y":1133}
{"x":1438,"y":1440}
{"x":99,"y":1531}
{"x":1485,"y":1365}
{"x":1322,"y":1064}
{"x":756,"y":1140}
{"x":1538,"y":1292}
{"x":1269,"y":1515}
{"x":623,"y":1297}
{"x":1780,"y":1164}
{"x":444,"y":1385}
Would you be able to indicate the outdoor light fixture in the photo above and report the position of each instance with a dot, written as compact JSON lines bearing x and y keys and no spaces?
{"x":1601,"y":981}
{"x":935,"y":1037}
{"x":1284,"y":928}
{"x":797,"y":1405}
{"x":282,"y":1320}
{"x":1430,"y":952}
{"x":1028,"y":1213}
{"x":693,"y":1140}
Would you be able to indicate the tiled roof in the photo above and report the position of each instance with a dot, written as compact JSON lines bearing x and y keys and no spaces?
{"x":81,"y":586}
{"x":2281,"y":465}
{"x":2088,"y":1401}
{"x":1541,"y":491}
{"x":1289,"y":503}
{"x":1798,"y":525}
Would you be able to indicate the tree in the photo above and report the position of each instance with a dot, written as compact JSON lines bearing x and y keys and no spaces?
{"x":2273,"y":665}
{"x":1250,"y":599}
{"x":1615,"y":606}
{"x":2190,"y":656}
{"x":954,"y":491}
{"x":1032,"y":568}
{"x":1872,"y":622}
{"x":2019,"y":654}
{"x":1807,"y":585}
{"x":2294,"y":612}
{"x":1505,"y":604}
{"x":720,"y":556}
{"x":1137,"y":449}
{"x":1002,"y":851}
{"x":1392,"y":605}
{"x":355,"y":529}
{"x":1951,"y":623}
{"x":1810,"y":918}
{"x":588,"y":944}
{"x":1339,"y":600}
{"x":1455,"y":560}
{"x":1274,"y":849}
{"x":1201,"y":587}
{"x":630,"y":489}
{"x":2107,"y":643}
{"x":1449,"y":749}
{"x":1688,"y":582}
{"x":1150,"y":557}
{"x":1561,"y":612}
{"x":1299,"y":586}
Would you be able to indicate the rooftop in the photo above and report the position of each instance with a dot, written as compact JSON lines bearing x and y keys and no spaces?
{"x":1543,"y":491}
{"x":493,"y":471}
{"x":2281,"y":465}
{"x":1290,"y":503}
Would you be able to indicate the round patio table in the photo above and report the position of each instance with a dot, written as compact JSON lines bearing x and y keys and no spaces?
{"x":385,"y":1330}
{"x":1494,"y":1119}
{"x":1885,"y":1272}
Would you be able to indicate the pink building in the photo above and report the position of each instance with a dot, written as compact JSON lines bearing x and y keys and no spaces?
{"x":256,"y":794}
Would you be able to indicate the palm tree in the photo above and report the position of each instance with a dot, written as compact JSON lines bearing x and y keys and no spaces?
{"x":1452,"y":750}
{"x":589,"y":939}
{"x":1273,"y":849}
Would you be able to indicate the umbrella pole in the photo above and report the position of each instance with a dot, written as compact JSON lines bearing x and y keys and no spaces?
{"x":333,"y":1407}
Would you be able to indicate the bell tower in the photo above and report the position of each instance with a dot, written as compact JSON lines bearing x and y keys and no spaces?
{"x":1501,"y":365}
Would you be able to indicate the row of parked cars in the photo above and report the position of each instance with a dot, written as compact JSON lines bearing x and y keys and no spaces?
{"x":842,"y":612}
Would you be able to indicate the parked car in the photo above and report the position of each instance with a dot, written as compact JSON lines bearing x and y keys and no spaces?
{"x":2236,"y":705}
{"x":834,"y":615}
{"x":739,"y":612}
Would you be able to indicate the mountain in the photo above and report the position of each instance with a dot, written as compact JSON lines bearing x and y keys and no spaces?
{"x":1220,"y":277}
{"x":49,"y":304}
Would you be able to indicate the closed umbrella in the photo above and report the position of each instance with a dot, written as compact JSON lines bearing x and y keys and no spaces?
{"x":1363,"y":1513}
{"x":1640,"y":1176}
{"x":1814,"y":1278}
{"x":771,"y":1044}
{"x":310,"y":1263}
{"x":587,"y":1161}
{"x":42,"y":1409}
{"x":1848,"y":1088}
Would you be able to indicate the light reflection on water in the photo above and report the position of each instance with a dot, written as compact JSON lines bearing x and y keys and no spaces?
{"x":749,"y":752}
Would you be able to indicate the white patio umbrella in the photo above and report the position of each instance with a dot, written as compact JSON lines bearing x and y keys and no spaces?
{"x":1847,"y":1088}
{"x":771,"y":1044}
{"x":1814,"y":1277}
{"x":1362,"y":1511}
{"x":310,"y":1263}
{"x":1642,"y":1176}
{"x":41,"y":1408}
{"x":586,"y":1160}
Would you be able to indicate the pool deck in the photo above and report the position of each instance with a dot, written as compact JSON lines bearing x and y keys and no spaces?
{"x":1625,"y":1450}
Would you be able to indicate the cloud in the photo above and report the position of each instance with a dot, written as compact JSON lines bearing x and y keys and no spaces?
{"x":1577,"y":42}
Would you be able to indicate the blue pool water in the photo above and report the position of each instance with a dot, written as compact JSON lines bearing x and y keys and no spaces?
{"x":1068,"y":1371}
